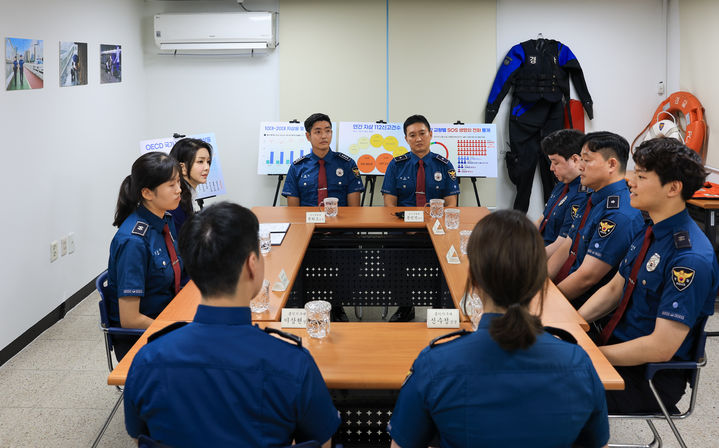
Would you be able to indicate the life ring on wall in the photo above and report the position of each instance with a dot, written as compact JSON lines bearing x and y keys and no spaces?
{"x":686,"y":106}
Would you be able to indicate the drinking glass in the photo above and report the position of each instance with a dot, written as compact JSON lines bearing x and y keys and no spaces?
{"x":464,"y":240}
{"x":330,"y":206}
{"x":318,"y":318}
{"x":265,"y":242}
{"x":261,"y":303}
{"x":451,"y":218}
{"x":474,"y":309}
{"x":436,"y":208}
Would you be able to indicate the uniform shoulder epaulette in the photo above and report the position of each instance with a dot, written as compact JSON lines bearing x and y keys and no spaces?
{"x":292,"y":337}
{"x":681,"y":240}
{"x":561,"y":334}
{"x":583,"y":189}
{"x":440,"y":158}
{"x":453,"y":334}
{"x":301,"y":159}
{"x":402,"y":158}
{"x":168,"y":329}
{"x":613,"y":202}
{"x":344,"y":156}
{"x":140,"y":228}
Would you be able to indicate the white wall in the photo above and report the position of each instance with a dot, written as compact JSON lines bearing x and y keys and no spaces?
{"x":66,"y":151}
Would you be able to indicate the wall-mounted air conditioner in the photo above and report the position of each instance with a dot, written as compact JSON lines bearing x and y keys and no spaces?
{"x":223,"y":33}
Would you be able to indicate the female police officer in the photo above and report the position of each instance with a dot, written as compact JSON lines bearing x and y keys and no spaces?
{"x":144,"y":269}
{"x":508,"y":383}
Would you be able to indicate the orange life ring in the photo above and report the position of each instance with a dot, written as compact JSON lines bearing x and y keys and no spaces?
{"x":691,"y":110}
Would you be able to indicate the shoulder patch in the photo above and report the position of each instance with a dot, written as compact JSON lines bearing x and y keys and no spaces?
{"x":440,"y":158}
{"x":613,"y":202}
{"x":301,"y":159}
{"x":681,"y":240}
{"x":573,"y":210}
{"x":561,"y":334}
{"x":344,"y":156}
{"x":292,"y":337}
{"x":356,"y":172}
{"x":402,"y":158}
{"x":453,"y":334}
{"x":606,"y":227}
{"x":452,"y":174}
{"x":682,"y":277}
{"x":140,"y":228}
{"x":168,"y":329}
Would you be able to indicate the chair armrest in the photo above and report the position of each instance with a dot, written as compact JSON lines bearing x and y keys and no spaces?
{"x":654,"y":367}
{"x":119,"y":331}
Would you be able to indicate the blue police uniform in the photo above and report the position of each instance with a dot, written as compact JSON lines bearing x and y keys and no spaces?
{"x":400,"y":179}
{"x":473,"y":393}
{"x":220,"y":381}
{"x":140,"y":265}
{"x":343,"y":178}
{"x":567,"y":209}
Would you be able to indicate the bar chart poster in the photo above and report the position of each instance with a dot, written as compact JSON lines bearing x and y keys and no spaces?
{"x":215,"y":184}
{"x":281,"y":143}
{"x":472,"y":148}
{"x":372,"y":145}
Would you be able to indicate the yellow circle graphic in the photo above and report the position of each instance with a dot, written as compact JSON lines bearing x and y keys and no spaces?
{"x":363,"y":142}
{"x":399,"y":151}
{"x":354,"y":149}
{"x":376,"y":140}
{"x":390,"y":143}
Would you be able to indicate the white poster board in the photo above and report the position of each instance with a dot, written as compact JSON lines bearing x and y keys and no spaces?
{"x":472,"y":148}
{"x":281,"y":143}
{"x":215,"y":184}
{"x":372,"y":145}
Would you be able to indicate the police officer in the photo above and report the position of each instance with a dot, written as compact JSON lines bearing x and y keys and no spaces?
{"x":219,"y":380}
{"x":322,"y":173}
{"x":667,"y":282}
{"x":601,"y":233}
{"x":414,"y":178}
{"x":144,"y":269}
{"x":452,"y":391}
{"x":569,"y":195}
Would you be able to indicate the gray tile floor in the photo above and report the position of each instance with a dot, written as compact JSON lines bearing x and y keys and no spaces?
{"x":54,"y":392}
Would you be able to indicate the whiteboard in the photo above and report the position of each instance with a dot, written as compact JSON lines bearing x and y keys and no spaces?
{"x":281,"y":143}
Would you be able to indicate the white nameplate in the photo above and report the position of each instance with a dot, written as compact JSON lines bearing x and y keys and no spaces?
{"x":452,"y":257}
{"x":282,"y":283}
{"x":437,"y":228}
{"x":413,"y":216}
{"x":294,"y":318}
{"x":443,"y":318}
{"x":315,"y":217}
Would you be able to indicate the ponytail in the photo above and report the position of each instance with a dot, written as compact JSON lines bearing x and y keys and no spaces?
{"x":515,"y":329}
{"x":127,"y":201}
{"x":186,"y":197}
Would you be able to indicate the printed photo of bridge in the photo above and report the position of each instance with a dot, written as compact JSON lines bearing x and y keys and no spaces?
{"x":24,"y":64}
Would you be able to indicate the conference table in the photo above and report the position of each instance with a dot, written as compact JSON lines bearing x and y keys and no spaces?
{"x":370,"y":355}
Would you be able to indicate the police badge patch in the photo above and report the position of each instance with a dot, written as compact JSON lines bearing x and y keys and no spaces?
{"x":574,"y":210}
{"x":452,"y":174}
{"x":340,"y":172}
{"x":606,"y":227}
{"x":356,"y":172}
{"x":653,"y":262}
{"x":437,"y":176}
{"x":682,"y":277}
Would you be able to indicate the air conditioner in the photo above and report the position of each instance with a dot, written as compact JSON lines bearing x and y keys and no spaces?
{"x":223,"y":33}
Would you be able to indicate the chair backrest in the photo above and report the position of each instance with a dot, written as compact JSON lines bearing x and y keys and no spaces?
{"x":101,"y":286}
{"x":698,"y":351}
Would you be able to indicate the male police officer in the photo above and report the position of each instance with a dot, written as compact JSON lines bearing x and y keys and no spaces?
{"x":414,"y":178}
{"x":667,"y":282}
{"x":219,"y":380}
{"x":322,"y":173}
{"x":569,"y":196}
{"x":600,"y":237}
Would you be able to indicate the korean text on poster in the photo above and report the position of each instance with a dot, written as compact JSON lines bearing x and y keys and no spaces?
{"x":281,"y":143}
{"x":472,"y":148}
{"x":372,"y":145}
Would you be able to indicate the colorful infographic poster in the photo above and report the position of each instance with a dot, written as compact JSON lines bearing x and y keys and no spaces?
{"x":215,"y":184}
{"x":281,"y":143}
{"x":372,"y":145}
{"x":472,"y":148}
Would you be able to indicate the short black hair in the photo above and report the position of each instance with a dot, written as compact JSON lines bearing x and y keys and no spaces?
{"x":314,"y":118}
{"x":214,"y":245}
{"x":609,"y":145}
{"x":416,"y":119}
{"x":564,"y":142}
{"x":671,"y":160}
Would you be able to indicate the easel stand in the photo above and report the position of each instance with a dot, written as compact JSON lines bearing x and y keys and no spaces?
{"x":474,"y":185}
{"x":280,"y":177}
{"x":369,"y":185}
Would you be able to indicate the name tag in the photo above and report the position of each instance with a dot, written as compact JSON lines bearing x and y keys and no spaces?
{"x":315,"y":217}
{"x":413,"y":216}
{"x":294,"y":318}
{"x":443,"y":318}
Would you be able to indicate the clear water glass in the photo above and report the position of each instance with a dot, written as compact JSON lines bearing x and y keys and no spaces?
{"x":265,"y":242}
{"x":261,"y":303}
{"x":330,"y":206}
{"x":436,"y":208}
{"x":464,"y":240}
{"x":451,"y":218}
{"x":318,"y":318}
{"x":474,"y":309}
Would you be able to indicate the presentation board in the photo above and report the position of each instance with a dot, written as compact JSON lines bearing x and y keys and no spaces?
{"x":372,"y":145}
{"x":472,"y":148}
{"x":281,"y":143}
{"x":215,"y":184}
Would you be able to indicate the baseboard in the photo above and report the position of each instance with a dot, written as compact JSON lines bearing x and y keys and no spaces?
{"x":46,"y":322}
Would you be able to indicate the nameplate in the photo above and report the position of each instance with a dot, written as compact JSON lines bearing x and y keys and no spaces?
{"x":282,"y":283}
{"x":443,"y":318}
{"x":294,"y":318}
{"x":437,"y":228}
{"x":315,"y":217}
{"x":413,"y":216}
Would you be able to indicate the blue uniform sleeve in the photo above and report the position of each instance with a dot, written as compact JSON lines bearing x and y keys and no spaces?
{"x":317,"y":418}
{"x":354,"y":180}
{"x":291,"y":187}
{"x":596,"y":431}
{"x":574,"y":208}
{"x":411,"y":424}
{"x":133,"y":423}
{"x":685,"y":290}
{"x":132,"y":262}
{"x":451,"y":187}
{"x":611,"y":237}
{"x":503,"y":81}
{"x":389,"y":185}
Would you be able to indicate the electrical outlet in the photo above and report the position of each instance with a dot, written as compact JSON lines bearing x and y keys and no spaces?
{"x":54,"y":251}
{"x":63,"y":246}
{"x":70,"y":243}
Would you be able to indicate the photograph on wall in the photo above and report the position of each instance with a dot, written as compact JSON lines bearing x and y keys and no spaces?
{"x":73,"y":64}
{"x":110,"y":64}
{"x":23,"y":64}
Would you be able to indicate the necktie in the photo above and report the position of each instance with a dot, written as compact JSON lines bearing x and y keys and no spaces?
{"x":559,"y":199}
{"x":420,"y":194}
{"x":573,"y":251}
{"x":619,"y":312}
{"x":321,"y":183}
{"x":173,"y":256}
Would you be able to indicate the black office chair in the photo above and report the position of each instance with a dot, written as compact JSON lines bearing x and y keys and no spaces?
{"x":108,"y":331}
{"x":693,"y":368}
{"x":146,"y":442}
